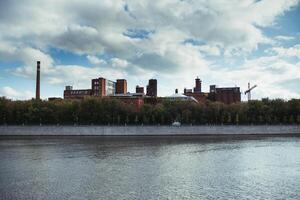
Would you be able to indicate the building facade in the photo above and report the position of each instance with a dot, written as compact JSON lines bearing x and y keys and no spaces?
{"x":100,"y":87}
{"x":227,"y":95}
{"x":69,"y":93}
{"x":197,"y":88}
{"x":197,"y":93}
{"x":139,"y":89}
{"x":121,"y":86}
{"x":152,"y":88}
{"x":103,"y":87}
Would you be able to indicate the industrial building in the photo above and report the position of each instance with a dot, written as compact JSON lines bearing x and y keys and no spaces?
{"x":197,"y":92}
{"x":139,"y":89}
{"x":121,"y":86}
{"x":226,"y":95}
{"x":181,"y":97}
{"x":101,"y":87}
{"x":69,"y":93}
{"x":152,"y":88}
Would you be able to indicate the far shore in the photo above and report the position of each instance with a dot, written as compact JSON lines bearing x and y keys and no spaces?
{"x":148,"y":130}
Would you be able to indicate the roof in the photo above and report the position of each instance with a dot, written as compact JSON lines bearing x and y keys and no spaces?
{"x":182,"y":97}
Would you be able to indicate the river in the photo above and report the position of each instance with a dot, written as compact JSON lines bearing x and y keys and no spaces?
{"x":149,"y":168}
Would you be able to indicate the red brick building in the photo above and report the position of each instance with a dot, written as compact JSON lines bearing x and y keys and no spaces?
{"x":152,"y":88}
{"x":103,"y":87}
{"x":200,"y":96}
{"x":227,"y":95}
{"x":139,"y":89}
{"x":69,"y":93}
{"x":121,"y":86}
{"x":100,"y":87}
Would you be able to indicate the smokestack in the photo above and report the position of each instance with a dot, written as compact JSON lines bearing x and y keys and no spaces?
{"x":37,"y":92}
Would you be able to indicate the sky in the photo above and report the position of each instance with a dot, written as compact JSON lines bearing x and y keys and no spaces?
{"x":226,"y":43}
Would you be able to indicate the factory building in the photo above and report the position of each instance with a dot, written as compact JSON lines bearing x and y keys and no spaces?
{"x":121,"y":86}
{"x":227,"y":95}
{"x":103,"y":87}
{"x":69,"y":93}
{"x":139,"y":89}
{"x":181,"y":97}
{"x":100,"y":87}
{"x":197,"y":92}
{"x":197,"y":88}
{"x":152,"y":88}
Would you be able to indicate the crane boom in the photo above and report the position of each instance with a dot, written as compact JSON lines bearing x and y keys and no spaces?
{"x":249,"y":91}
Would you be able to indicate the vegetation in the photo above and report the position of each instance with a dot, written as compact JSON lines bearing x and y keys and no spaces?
{"x":93,"y":111}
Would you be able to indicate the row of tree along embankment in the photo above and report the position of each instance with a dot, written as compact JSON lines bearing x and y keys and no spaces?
{"x":96,"y":111}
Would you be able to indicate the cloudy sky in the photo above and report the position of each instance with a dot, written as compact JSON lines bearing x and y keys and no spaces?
{"x":227,"y":43}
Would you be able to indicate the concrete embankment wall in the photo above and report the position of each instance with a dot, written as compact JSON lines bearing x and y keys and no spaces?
{"x":149,"y":130}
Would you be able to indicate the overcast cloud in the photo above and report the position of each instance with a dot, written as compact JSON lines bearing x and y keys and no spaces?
{"x":171,"y":40}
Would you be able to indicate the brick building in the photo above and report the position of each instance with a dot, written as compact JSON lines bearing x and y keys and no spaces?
{"x":139,"y":89}
{"x":197,"y":88}
{"x":152,"y":88}
{"x":197,"y":92}
{"x":227,"y":95}
{"x":100,"y":87}
{"x":69,"y":93}
{"x":121,"y":86}
{"x":103,"y":87}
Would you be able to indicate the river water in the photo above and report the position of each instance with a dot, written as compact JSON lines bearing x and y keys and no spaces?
{"x":150,"y":168}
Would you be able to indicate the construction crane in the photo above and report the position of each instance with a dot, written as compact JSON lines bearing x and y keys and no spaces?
{"x":249,"y":91}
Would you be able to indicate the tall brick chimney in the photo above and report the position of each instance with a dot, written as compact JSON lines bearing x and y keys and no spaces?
{"x":37,"y":92}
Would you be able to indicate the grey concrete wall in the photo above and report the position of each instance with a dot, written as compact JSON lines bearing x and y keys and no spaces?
{"x":148,"y":130}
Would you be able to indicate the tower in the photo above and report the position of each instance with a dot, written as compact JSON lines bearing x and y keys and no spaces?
{"x":152,"y":88}
{"x":121,"y":86}
{"x":197,"y":88}
{"x":37,"y":91}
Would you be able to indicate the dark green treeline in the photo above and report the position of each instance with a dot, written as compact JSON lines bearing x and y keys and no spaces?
{"x":93,"y":111}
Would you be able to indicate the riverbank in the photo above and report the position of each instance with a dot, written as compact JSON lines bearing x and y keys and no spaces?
{"x":149,"y":130}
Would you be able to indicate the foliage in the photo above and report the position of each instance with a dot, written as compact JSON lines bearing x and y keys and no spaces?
{"x":97,"y":111}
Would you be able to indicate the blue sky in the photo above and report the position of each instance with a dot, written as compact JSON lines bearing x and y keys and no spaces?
{"x":223,"y":42}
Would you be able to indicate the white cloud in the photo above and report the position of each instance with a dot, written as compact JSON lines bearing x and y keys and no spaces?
{"x":117,"y":62}
{"x":210,"y":50}
{"x":293,"y":51}
{"x":284,"y":38}
{"x":226,"y":28}
{"x":12,"y":93}
{"x":95,"y":60}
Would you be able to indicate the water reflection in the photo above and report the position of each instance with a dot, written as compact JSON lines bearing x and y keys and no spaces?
{"x":149,"y":168}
